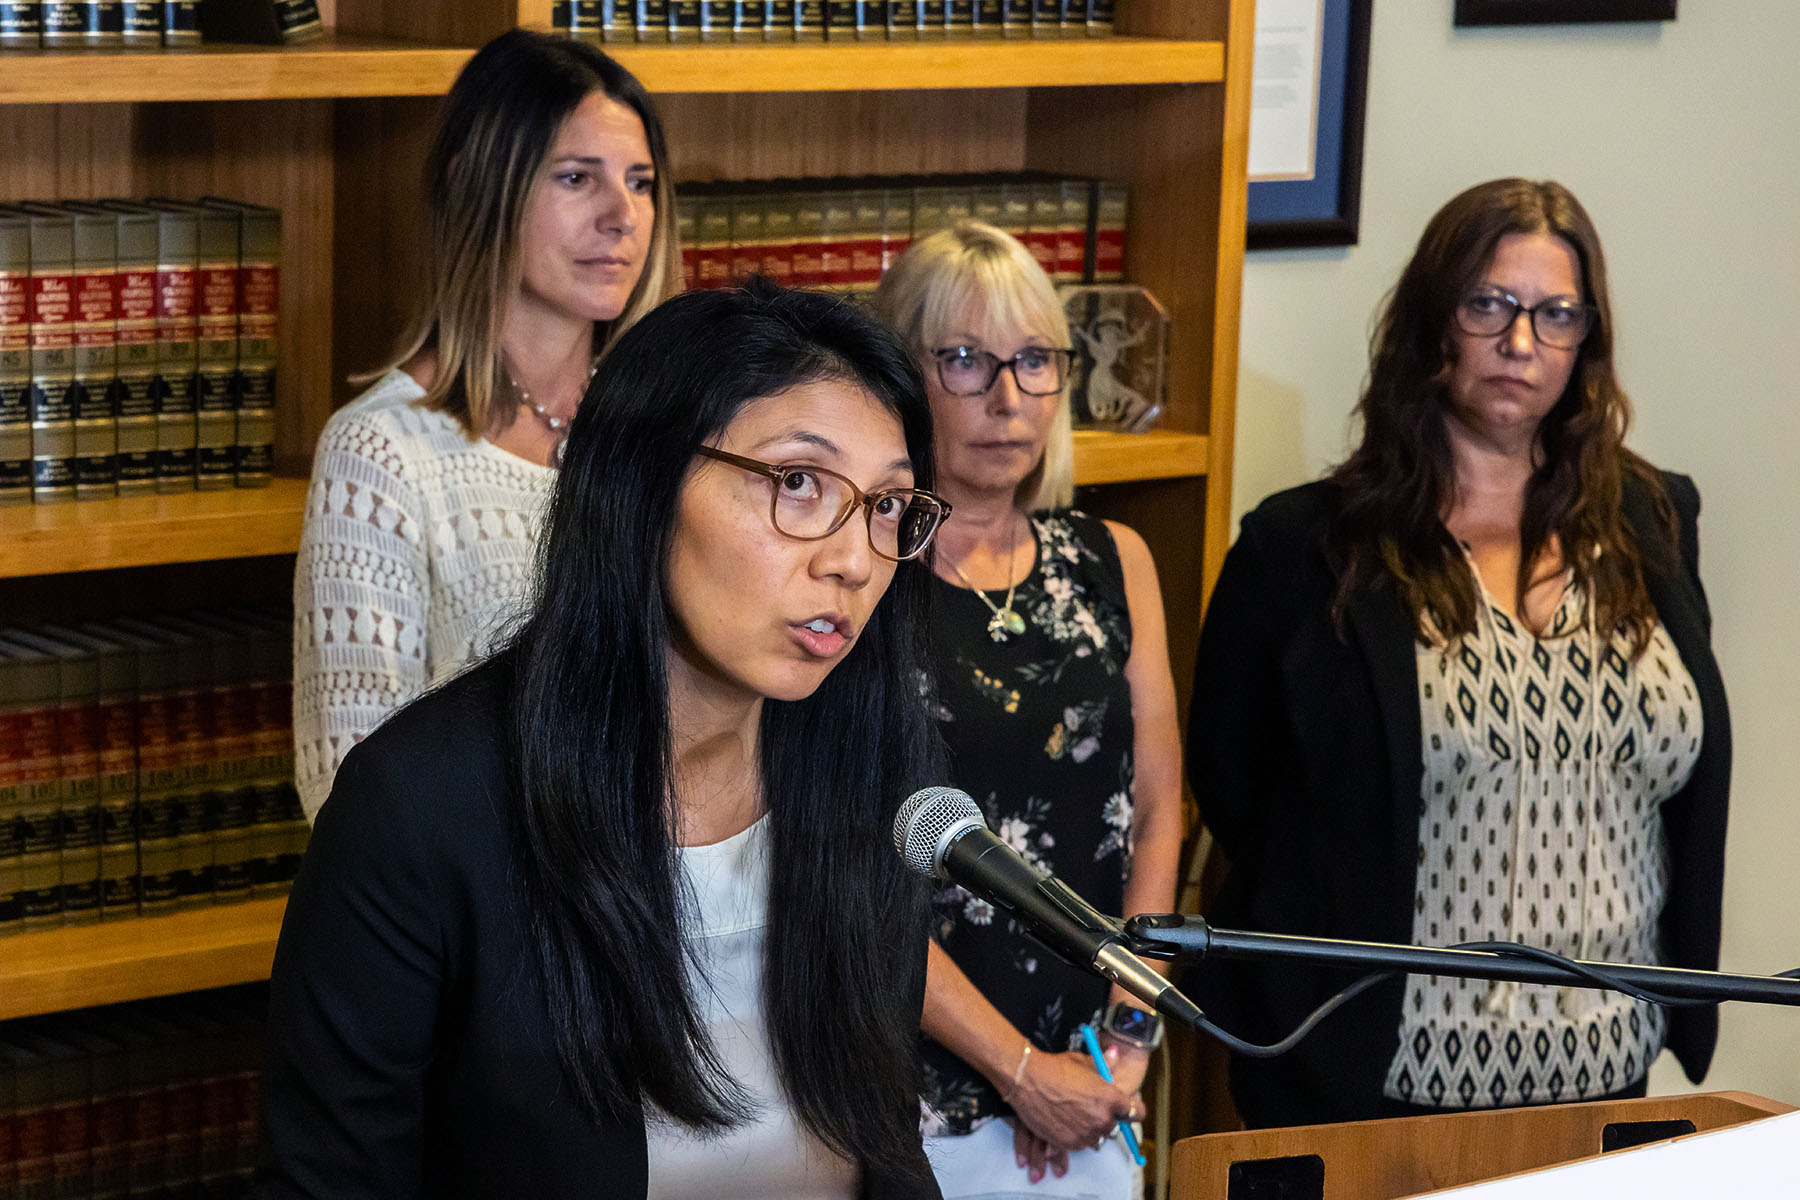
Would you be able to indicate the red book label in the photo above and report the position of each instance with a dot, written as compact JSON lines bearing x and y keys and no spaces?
{"x":37,"y":761}
{"x":118,"y":736}
{"x":690,"y":267}
{"x":891,"y":250}
{"x":96,"y":300}
{"x":715,"y":266}
{"x":218,"y":295}
{"x":778,"y":263}
{"x":259,"y":300}
{"x":187,"y":728}
{"x":809,"y":264}
{"x":175,"y":303}
{"x":745,"y":260}
{"x":52,"y":310}
{"x":1042,"y":244}
{"x":835,"y":262}
{"x":1071,"y":253}
{"x":78,"y":740}
{"x":136,"y":307}
{"x":12,"y":749}
{"x":155,"y":751}
{"x":865,"y":261}
{"x":1109,"y":254}
{"x":15,"y":325}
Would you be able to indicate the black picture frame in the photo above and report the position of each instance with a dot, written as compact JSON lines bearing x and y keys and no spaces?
{"x":1325,"y":210}
{"x":1559,"y":12}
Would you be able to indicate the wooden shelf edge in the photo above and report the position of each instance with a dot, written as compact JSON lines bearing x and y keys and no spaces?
{"x":359,"y":66}
{"x":54,"y":970}
{"x":98,"y":535}
{"x":1134,"y":457}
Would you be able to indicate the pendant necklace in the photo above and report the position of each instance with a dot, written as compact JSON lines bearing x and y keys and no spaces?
{"x":558,"y":426}
{"x":1005,"y":621}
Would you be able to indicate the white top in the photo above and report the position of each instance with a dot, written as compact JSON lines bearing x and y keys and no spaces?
{"x":1540,"y":822}
{"x":773,"y":1156}
{"x":415,"y":558}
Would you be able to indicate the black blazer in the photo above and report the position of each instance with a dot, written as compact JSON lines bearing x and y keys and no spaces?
{"x":409,"y":1046}
{"x":1304,"y":755}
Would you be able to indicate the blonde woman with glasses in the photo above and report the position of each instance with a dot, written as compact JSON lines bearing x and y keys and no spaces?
{"x":1052,"y":688}
{"x":550,"y":234}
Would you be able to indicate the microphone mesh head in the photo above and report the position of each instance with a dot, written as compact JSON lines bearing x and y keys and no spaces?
{"x":923,"y":821}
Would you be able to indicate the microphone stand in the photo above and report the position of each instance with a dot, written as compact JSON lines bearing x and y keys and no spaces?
{"x":1173,"y":935}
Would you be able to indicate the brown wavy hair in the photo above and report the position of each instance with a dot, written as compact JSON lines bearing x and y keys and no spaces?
{"x":1398,"y":484}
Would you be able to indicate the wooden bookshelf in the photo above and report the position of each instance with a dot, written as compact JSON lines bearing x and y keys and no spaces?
{"x":187,"y":527}
{"x":52,"y":970}
{"x":347,"y":66}
{"x":1137,"y":457}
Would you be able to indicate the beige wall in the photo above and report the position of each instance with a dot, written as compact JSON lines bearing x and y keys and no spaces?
{"x":1683,"y":141}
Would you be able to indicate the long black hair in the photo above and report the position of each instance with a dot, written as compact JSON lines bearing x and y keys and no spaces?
{"x":590,"y":734}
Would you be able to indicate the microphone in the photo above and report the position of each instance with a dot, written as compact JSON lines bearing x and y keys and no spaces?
{"x":940,"y":833}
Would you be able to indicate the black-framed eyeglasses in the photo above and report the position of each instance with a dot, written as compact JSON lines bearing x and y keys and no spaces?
{"x":1560,"y":321}
{"x":810,"y":503}
{"x":1038,"y":370}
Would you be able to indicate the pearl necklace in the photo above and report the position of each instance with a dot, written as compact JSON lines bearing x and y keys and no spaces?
{"x":1005,"y":621}
{"x":558,"y":426}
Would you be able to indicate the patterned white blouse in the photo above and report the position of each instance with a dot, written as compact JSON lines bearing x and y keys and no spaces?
{"x":415,"y":559}
{"x":1540,"y":823}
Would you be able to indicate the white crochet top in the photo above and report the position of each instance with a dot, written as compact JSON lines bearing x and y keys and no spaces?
{"x":415,"y":558}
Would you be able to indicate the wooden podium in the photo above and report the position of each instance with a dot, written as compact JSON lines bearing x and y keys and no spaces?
{"x":1386,"y":1160}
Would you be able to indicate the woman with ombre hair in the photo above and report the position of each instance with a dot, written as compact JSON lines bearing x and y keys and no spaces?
{"x":551,"y":232}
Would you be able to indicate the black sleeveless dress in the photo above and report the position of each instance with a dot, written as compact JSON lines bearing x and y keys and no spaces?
{"x":1040,"y":735}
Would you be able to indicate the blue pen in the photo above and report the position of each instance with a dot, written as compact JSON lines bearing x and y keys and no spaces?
{"x":1093,"y":1045}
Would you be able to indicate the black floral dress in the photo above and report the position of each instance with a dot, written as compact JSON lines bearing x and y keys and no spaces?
{"x":1040,"y":734}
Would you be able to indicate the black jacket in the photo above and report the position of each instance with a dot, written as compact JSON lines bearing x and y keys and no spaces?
{"x":1304,"y":755}
{"x":409,"y":1046}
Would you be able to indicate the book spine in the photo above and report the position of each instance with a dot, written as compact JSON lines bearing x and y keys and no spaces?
{"x":1099,"y":18}
{"x":216,"y":352}
{"x":991,"y":18}
{"x":865,"y":241}
{"x":959,"y":18}
{"x":103,"y":24}
{"x":896,"y":225}
{"x":652,"y":20}
{"x":1015,"y":209}
{"x":1047,"y":18}
{"x":718,"y":20}
{"x":687,"y":232}
{"x":181,"y":23}
{"x":618,"y":21}
{"x":94,"y":397}
{"x":12,"y":800}
{"x":746,"y":235}
{"x":779,"y":215}
{"x":52,"y":358}
{"x":64,"y":24}
{"x":842,"y":17}
{"x":928,"y":210}
{"x":143,"y":21}
{"x":21,"y":24}
{"x":15,"y":359}
{"x":259,"y":304}
{"x":177,"y":333}
{"x":118,"y":784}
{"x":747,"y":20}
{"x":1112,"y":208}
{"x":298,"y":20}
{"x":809,"y":239}
{"x":38,"y":812}
{"x":779,"y":22}
{"x":933,"y":19}
{"x":713,"y":262}
{"x":1046,"y":219}
{"x":78,"y":822}
{"x":684,"y":21}
{"x":136,"y":333}
{"x":903,"y":20}
{"x":578,"y":19}
{"x":809,"y":20}
{"x":838,"y":232}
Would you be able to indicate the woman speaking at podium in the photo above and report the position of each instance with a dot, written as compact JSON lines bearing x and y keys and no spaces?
{"x":1461,"y":690}
{"x":616,"y":913}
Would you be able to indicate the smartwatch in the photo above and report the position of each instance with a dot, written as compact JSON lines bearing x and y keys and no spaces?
{"x":1133,"y":1026}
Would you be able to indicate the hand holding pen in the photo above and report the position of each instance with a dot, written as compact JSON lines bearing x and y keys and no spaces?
{"x":1093,"y":1046}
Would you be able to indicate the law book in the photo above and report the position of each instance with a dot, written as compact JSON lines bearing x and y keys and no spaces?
{"x":618,"y":21}
{"x":13,"y":831}
{"x":778,"y":20}
{"x":15,"y":358}
{"x":216,"y":342}
{"x":243,"y":1019}
{"x":868,"y":208}
{"x":260,"y":22}
{"x":687,"y":232}
{"x":576,"y":19}
{"x":259,"y":305}
{"x":116,"y":668}
{"x":161,"y":1070}
{"x":1045,"y":198}
{"x":748,"y":212}
{"x":809,"y":237}
{"x":102,"y":1058}
{"x":174,"y":389}
{"x":103,"y":24}
{"x":1015,"y":208}
{"x":143,"y":24}
{"x":134,"y":338}
{"x":1017,"y":17}
{"x":809,"y":20}
{"x":1099,"y":17}
{"x":37,"y":774}
{"x":21,"y":24}
{"x":684,"y":21}
{"x":990,"y":18}
{"x":1072,"y":232}
{"x":181,"y":24}
{"x":748,"y":20}
{"x":987,"y":203}
{"x":903,"y":20}
{"x":959,"y":18}
{"x":849,"y":21}
{"x":193,"y":725}
{"x":718,"y":20}
{"x":94,"y":398}
{"x":50,"y":313}
{"x":232,"y":727}
{"x":63,"y":24}
{"x":157,"y":774}
{"x":78,"y":738}
{"x":652,"y":20}
{"x":929,"y":214}
{"x":896,"y":223}
{"x":279,"y":829}
{"x":1050,"y":19}
{"x":713,"y":241}
{"x":1111,"y":207}
{"x":779,"y":215}
{"x":836,"y":234}
{"x":934,"y":19}
{"x":54,"y":1111}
